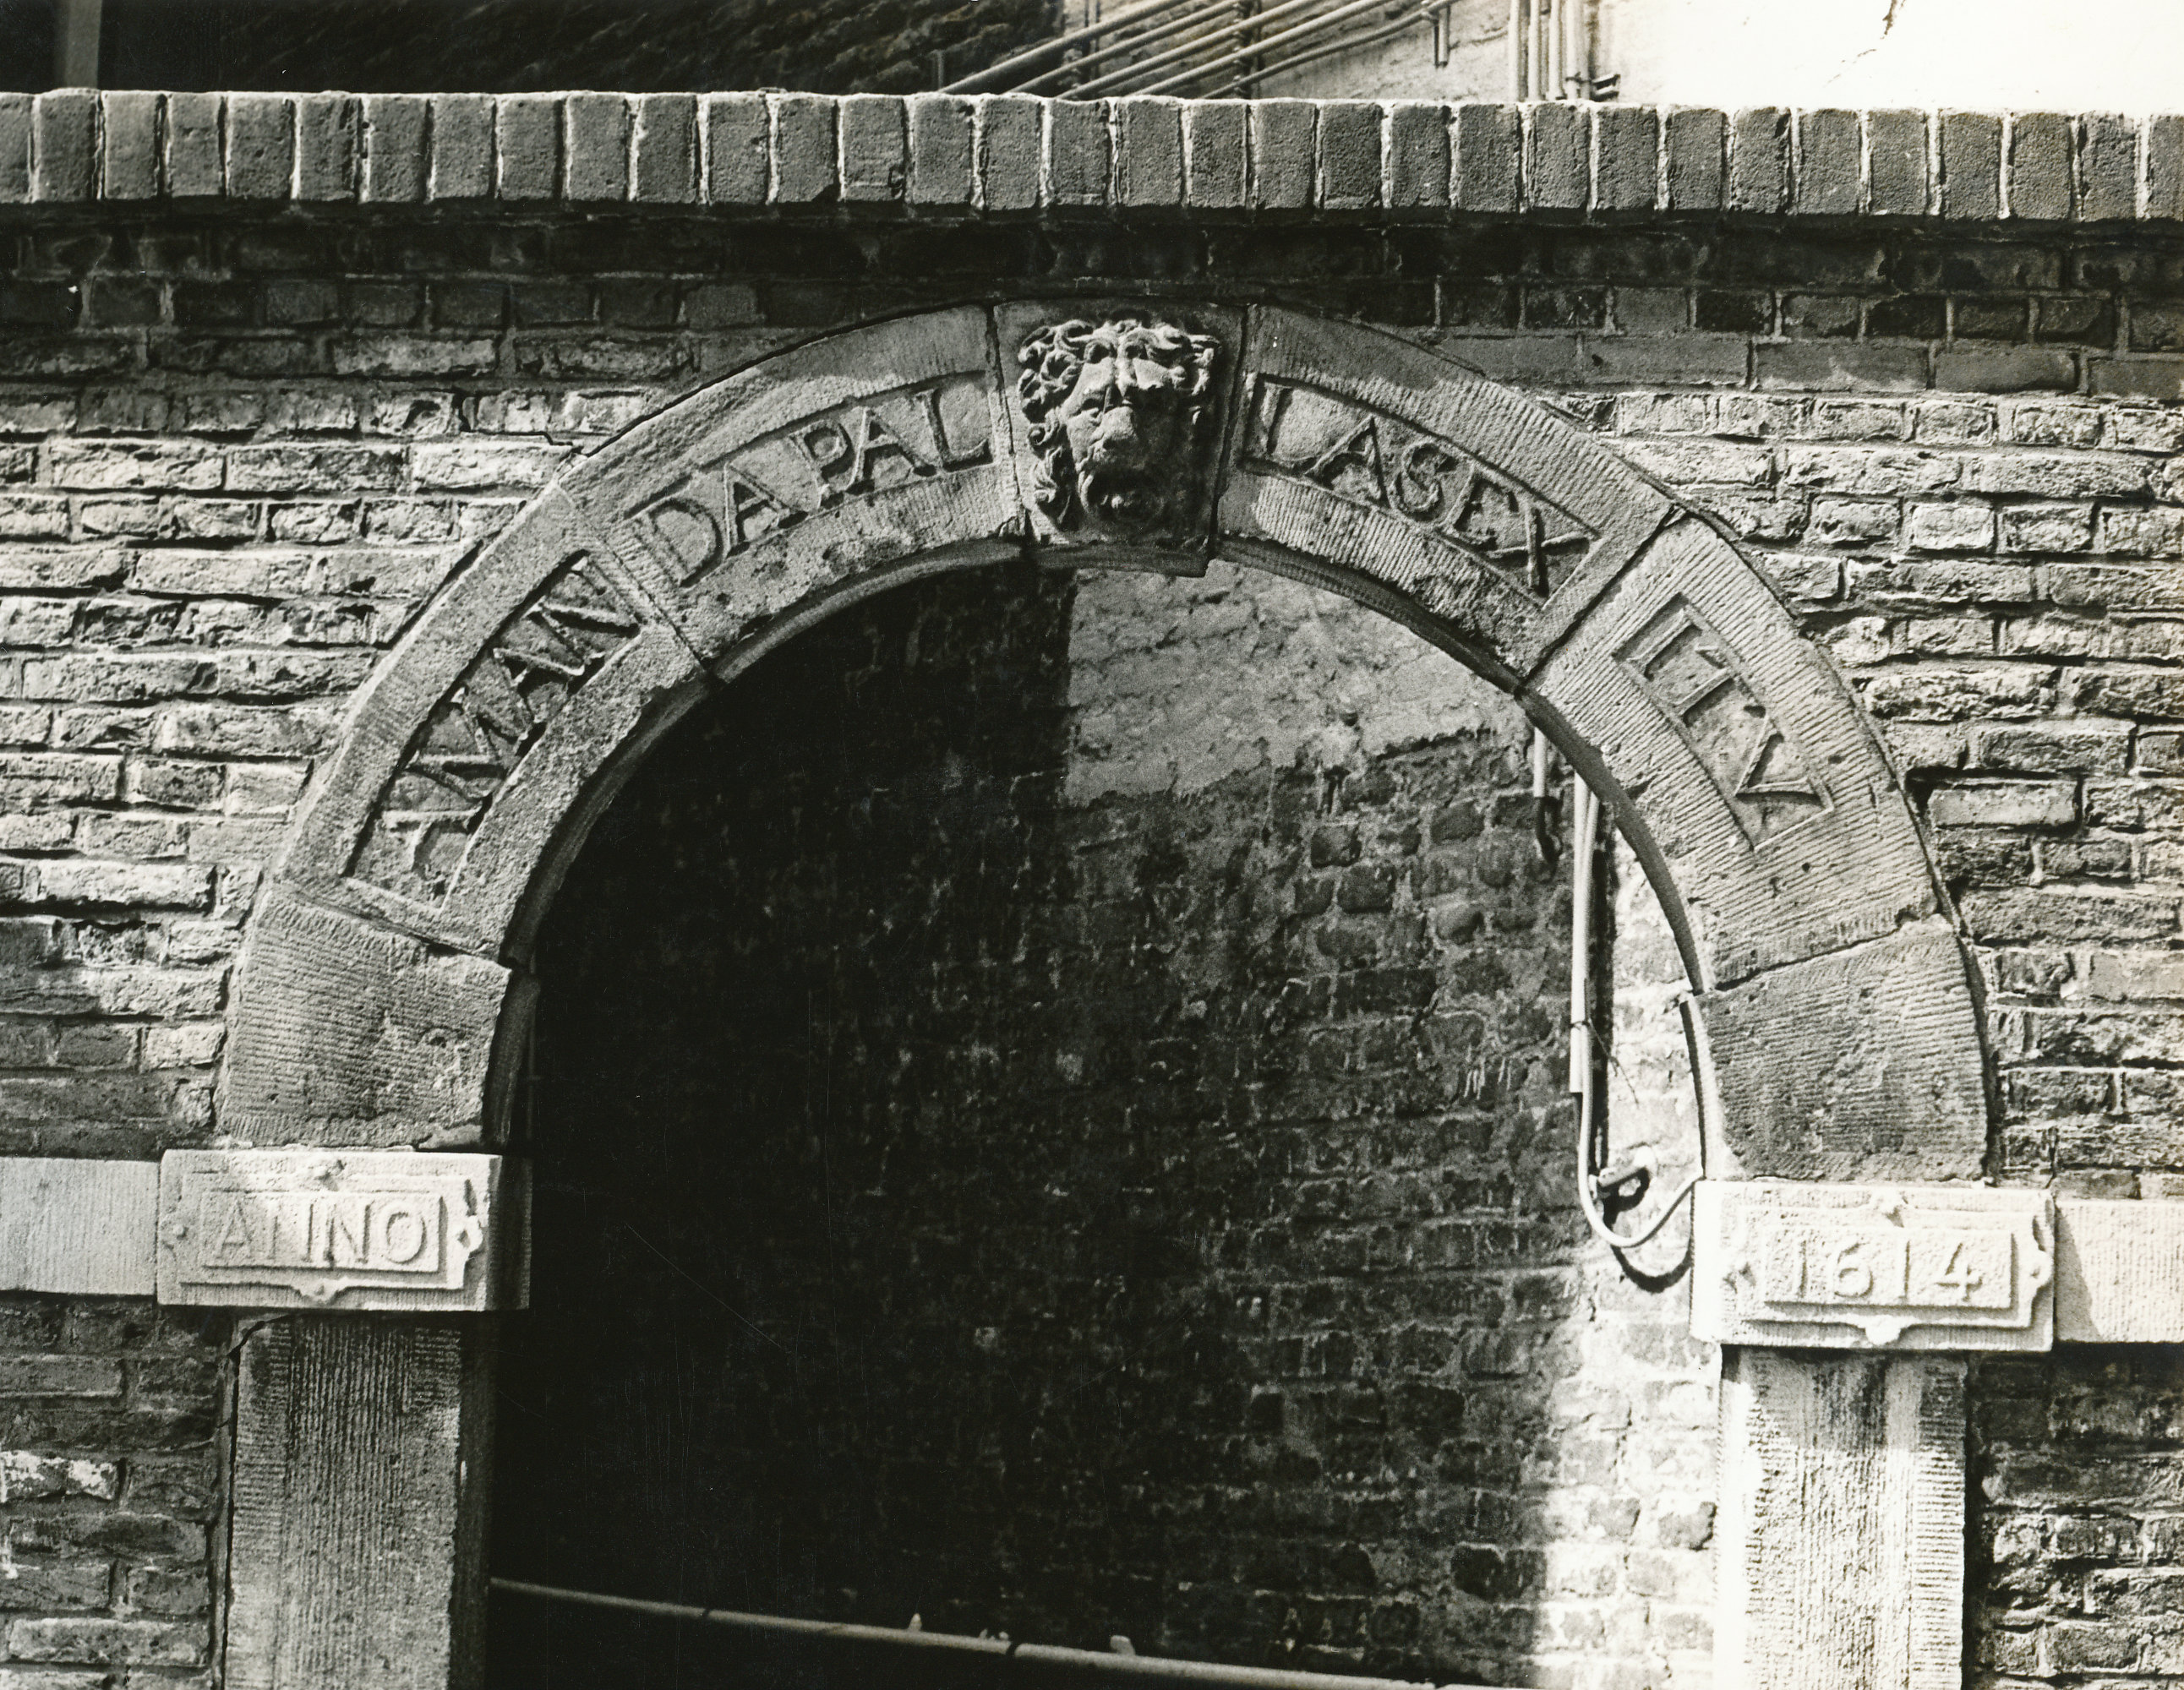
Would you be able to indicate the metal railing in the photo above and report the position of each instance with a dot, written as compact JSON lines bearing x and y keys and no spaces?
{"x":1115,"y":1663}
{"x":1203,"y":48}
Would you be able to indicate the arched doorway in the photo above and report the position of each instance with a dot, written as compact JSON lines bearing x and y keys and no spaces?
{"x":385,"y":990}
{"x":1071,"y":1176}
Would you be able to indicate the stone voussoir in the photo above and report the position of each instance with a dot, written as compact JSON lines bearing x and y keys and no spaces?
{"x":849,"y":155}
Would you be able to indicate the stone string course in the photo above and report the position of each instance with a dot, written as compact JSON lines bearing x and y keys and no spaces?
{"x":939,"y":154}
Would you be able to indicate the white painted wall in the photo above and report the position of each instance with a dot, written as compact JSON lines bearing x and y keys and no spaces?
{"x":2066,"y":55}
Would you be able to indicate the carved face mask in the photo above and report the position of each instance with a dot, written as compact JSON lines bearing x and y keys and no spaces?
{"x":1128,"y":422}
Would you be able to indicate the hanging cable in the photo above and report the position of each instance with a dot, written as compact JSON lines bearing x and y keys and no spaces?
{"x":1543,"y":801}
{"x":1584,"y":839}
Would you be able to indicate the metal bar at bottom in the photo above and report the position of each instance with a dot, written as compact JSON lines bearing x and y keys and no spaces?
{"x":1089,"y":1661}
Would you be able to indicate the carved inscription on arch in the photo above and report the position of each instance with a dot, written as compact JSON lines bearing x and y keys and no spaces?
{"x":730,"y":501}
{"x":1695,"y":678}
{"x":1373,"y":459}
{"x":534,"y":665}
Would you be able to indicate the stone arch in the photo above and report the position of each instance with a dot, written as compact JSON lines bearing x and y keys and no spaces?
{"x":385,"y":964}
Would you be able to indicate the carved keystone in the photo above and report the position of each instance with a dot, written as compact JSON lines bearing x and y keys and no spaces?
{"x":1121,"y":415}
{"x":1902,"y":1267}
{"x":339,"y":1229}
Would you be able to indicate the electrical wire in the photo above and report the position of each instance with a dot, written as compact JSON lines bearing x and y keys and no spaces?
{"x":1585,"y":836}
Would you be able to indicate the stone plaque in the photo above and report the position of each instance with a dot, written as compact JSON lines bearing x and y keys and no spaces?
{"x":339,"y":1229}
{"x":1907,"y":1267}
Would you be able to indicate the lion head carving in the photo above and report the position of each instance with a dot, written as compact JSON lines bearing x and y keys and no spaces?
{"x":1119,"y":414}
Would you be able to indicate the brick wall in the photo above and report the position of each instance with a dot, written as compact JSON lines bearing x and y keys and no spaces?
{"x":108,"y":1484}
{"x":835,"y":46}
{"x":1058,"y":1209}
{"x":237,"y":452}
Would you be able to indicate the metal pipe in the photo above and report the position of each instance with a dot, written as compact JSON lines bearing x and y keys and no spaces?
{"x":1089,"y":1660}
{"x":1556,"y":17}
{"x":1211,"y":38}
{"x":1313,"y":27}
{"x":1159,"y":32}
{"x":1128,"y":14}
{"x":76,"y":43}
{"x":1517,"y":49}
{"x":1585,"y":815}
{"x":1346,"y":44}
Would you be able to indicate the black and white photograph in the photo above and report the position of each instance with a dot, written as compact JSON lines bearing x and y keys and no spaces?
{"x":1091,"y":845}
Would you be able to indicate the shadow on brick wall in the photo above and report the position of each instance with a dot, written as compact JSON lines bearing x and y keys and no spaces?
{"x":1142,"y":1217}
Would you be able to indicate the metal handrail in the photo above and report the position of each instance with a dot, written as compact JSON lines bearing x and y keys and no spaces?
{"x":1196,"y":44}
{"x":1409,"y":20}
{"x":965,"y":84}
{"x":1088,"y":1660}
{"x":1158,"y":31}
{"x":1311,"y":26}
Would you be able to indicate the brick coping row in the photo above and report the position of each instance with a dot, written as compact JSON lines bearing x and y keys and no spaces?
{"x":939,"y":154}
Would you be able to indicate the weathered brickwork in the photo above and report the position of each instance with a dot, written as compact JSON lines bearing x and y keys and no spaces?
{"x":832,"y":47}
{"x":236,"y":454}
{"x":1147,"y":1213}
{"x":107,"y":1486}
{"x":2079,"y":1533}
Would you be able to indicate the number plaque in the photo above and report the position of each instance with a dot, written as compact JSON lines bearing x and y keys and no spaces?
{"x":1907,"y":1267}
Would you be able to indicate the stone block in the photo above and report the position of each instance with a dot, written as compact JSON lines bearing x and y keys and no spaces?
{"x":526,"y":146}
{"x":663,"y":150}
{"x":396,"y":162}
{"x":326,"y":144}
{"x":1282,"y":154}
{"x":2120,"y":1268}
{"x":734,"y":127}
{"x":1971,"y":165}
{"x":1900,"y":1092}
{"x":1626,"y":142}
{"x":1214,"y":154}
{"x":1896,"y":163}
{"x":77,"y":1228}
{"x":1011,"y":142}
{"x":1149,"y":153}
{"x":1759,"y":160}
{"x":875,"y":150}
{"x":1875,"y":1446}
{"x":2108,"y":167}
{"x":462,"y":127}
{"x":1348,"y":149}
{"x":1962,"y":1267}
{"x":1828,"y":165}
{"x":65,"y":145}
{"x":718,"y":570}
{"x":1417,"y":169}
{"x":1489,"y":154}
{"x":1697,"y":168}
{"x":801,"y":149}
{"x":2037,"y":181}
{"x":14,"y":148}
{"x":353,"y":1545}
{"x":942,"y":128}
{"x":350,"y":1033}
{"x":1076,"y":152}
{"x":129,"y":138}
{"x":2164,"y":168}
{"x":595,"y":143}
{"x":261,"y":147}
{"x":346,"y":1229}
{"x":1557,"y":157}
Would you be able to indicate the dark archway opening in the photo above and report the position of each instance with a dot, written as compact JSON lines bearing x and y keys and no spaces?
{"x":1141,"y":1214}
